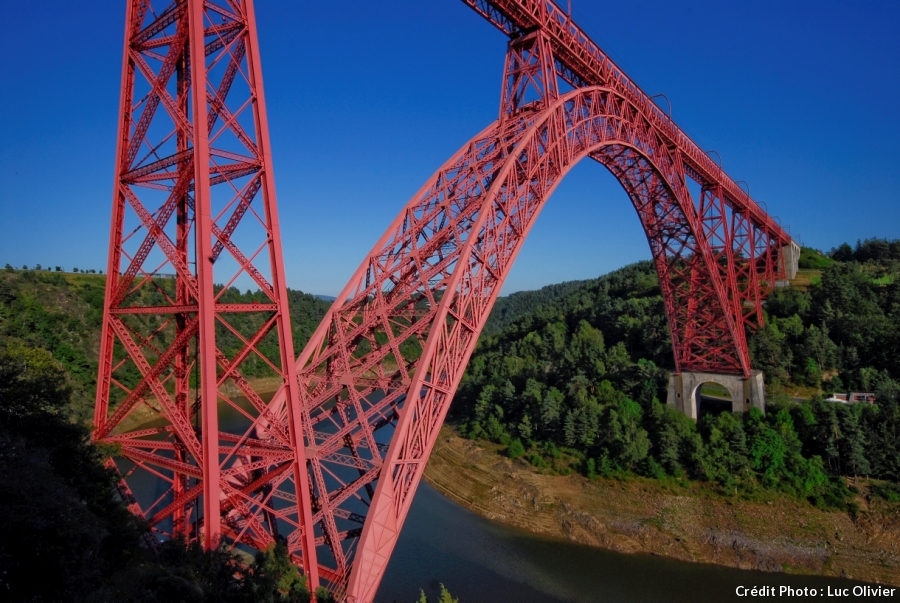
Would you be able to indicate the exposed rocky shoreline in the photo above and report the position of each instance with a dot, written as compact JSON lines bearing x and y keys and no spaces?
{"x":691,"y":523}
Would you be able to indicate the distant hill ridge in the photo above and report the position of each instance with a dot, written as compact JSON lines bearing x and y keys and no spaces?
{"x":511,"y":308}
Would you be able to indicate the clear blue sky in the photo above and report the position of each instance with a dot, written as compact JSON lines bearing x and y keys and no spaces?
{"x":366,"y":99}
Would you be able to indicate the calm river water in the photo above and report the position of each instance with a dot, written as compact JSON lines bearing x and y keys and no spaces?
{"x":481,"y":561}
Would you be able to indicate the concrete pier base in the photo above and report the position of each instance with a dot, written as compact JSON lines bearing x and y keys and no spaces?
{"x":745,"y":393}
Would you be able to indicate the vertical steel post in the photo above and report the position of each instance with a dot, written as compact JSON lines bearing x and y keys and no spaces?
{"x":209,"y":397}
{"x":101,"y":404}
{"x":304,"y":504}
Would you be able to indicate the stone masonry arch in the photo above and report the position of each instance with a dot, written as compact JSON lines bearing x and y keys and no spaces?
{"x":745,"y":393}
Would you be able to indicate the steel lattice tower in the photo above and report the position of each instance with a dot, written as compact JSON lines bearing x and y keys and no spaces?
{"x":194,"y":217}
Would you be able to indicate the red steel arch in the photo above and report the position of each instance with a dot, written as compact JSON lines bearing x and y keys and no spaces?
{"x":387,"y":358}
{"x":331,"y":463}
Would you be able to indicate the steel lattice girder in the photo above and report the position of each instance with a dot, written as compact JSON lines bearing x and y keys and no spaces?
{"x":194,"y":194}
{"x":580,"y":62}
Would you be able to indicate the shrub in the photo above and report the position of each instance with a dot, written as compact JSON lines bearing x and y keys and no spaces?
{"x":516,"y":449}
{"x":888,"y":491}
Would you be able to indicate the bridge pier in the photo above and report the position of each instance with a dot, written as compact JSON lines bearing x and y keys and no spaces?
{"x":745,"y":393}
{"x":790,"y":260}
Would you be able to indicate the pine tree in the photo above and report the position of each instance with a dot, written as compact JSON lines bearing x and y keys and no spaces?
{"x":853,"y":443}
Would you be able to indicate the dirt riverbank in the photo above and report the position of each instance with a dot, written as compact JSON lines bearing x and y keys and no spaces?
{"x":689,"y":522}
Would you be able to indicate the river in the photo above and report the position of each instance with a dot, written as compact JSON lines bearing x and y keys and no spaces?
{"x":481,"y":561}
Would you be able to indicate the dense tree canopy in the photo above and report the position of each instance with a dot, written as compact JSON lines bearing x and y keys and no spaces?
{"x":65,"y":536}
{"x":843,"y":333}
{"x":580,"y":370}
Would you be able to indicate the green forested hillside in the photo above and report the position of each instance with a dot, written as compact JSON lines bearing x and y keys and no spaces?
{"x":577,"y":383}
{"x":63,"y":536}
{"x":570,"y":377}
{"x":843,"y":333}
{"x":62,"y":313}
{"x":509,"y":308}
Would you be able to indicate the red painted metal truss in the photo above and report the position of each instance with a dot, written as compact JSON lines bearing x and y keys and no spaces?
{"x":378,"y":375}
{"x":203,"y":453}
{"x":331,"y":463}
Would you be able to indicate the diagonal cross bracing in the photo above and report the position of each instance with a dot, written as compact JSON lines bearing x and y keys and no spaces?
{"x":331,"y":463}
{"x":178,"y":350}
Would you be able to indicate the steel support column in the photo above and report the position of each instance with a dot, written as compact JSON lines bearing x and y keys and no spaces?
{"x":180,"y":347}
